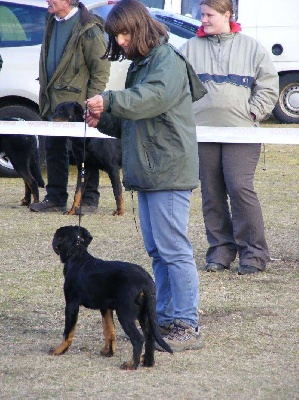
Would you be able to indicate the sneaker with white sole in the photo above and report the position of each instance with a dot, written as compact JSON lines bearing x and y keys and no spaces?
{"x":182,"y":337}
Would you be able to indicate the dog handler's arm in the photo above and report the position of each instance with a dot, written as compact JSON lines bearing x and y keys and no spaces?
{"x":103,"y":121}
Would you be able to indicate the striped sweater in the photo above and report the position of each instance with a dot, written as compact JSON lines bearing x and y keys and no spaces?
{"x":239,"y":75}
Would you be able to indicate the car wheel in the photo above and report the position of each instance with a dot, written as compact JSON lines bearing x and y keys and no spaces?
{"x":287,"y":107}
{"x":21,"y":113}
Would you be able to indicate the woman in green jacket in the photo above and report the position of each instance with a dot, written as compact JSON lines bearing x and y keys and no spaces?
{"x":154,"y":119}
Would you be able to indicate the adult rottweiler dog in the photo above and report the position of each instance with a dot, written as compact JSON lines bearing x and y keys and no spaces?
{"x":23,"y":154}
{"x":103,"y":153}
{"x":107,"y":286}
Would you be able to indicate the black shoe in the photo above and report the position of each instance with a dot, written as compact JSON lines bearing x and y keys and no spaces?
{"x":247,"y":269}
{"x":87,"y":209}
{"x":213,"y":267}
{"x":47,"y":206}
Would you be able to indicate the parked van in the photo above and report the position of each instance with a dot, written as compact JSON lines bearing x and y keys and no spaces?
{"x":276,"y":25}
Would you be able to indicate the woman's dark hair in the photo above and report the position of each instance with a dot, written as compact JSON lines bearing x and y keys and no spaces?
{"x":131,"y":16}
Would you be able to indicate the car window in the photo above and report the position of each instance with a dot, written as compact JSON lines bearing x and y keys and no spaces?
{"x":154,"y":3}
{"x":177,"y":26}
{"x":21,"y":25}
{"x":102,"y":11}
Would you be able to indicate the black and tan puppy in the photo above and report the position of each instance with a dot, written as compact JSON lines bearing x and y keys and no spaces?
{"x":23,"y":154}
{"x":107,"y":286}
{"x":102,"y":153}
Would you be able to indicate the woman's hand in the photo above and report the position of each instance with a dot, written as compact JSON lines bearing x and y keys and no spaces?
{"x":91,"y":119}
{"x":96,"y":105}
{"x":94,"y":109}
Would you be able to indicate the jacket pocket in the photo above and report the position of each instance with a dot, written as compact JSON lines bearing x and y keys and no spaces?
{"x":67,"y":88}
{"x":150,"y":157}
{"x":65,"y":93}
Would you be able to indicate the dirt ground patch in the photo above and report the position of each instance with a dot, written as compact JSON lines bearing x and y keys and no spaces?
{"x":249,"y":325}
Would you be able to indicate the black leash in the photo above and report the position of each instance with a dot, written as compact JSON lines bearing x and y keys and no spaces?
{"x":82,"y":176}
{"x":133,"y":209}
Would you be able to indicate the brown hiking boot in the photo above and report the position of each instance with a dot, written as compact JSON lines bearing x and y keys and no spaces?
{"x":182,"y":337}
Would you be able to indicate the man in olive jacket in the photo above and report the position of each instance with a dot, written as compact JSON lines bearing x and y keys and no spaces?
{"x":70,"y":70}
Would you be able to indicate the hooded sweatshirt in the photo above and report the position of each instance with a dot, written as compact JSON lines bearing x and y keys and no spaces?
{"x":239,"y":76}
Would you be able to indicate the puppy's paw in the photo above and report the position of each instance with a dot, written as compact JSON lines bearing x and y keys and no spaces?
{"x":25,"y":202}
{"x":148,"y":363}
{"x":129,"y":366}
{"x":53,"y":352}
{"x":118,"y":213}
{"x":57,"y":351}
{"x":107,"y":351}
{"x":70,"y":212}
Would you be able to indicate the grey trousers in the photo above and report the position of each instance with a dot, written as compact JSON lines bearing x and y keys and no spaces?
{"x":231,"y":209}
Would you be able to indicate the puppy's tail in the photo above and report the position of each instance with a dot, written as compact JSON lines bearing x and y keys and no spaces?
{"x":150,"y":304}
{"x":35,"y":167}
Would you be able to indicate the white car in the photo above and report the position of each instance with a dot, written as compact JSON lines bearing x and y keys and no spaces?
{"x":21,"y":33}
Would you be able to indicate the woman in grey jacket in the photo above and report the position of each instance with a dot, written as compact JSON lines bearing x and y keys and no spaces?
{"x":154,"y":118}
{"x":242,"y":89}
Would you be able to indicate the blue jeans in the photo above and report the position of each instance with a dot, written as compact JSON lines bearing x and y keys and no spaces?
{"x":164,"y":217}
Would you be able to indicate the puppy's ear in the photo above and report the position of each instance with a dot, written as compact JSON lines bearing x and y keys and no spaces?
{"x":78,"y":110}
{"x":86,"y":236}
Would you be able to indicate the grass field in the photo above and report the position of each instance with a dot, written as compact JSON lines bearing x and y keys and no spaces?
{"x":249,"y":324}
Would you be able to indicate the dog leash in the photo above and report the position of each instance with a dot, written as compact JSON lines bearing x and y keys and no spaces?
{"x":82,"y":176}
{"x":133,"y":210}
{"x":264,"y":148}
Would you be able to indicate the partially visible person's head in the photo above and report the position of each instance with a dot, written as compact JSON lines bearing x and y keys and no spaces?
{"x":221,"y":6}
{"x":132,"y":30}
{"x":61,"y":8}
{"x":216,"y":15}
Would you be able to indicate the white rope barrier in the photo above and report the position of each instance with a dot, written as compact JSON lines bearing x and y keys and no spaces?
{"x":204,"y":133}
{"x":248,"y":135}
